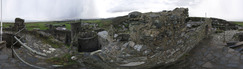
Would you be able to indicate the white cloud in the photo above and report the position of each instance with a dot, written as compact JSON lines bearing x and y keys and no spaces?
{"x":225,"y":9}
{"x":74,"y":9}
{"x":229,"y":10}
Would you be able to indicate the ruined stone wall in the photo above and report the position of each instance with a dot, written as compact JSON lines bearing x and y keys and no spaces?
{"x":62,"y":35}
{"x":75,"y":29}
{"x":187,"y":41}
{"x":84,"y":39}
{"x":19,"y":24}
{"x":168,"y":37}
{"x":155,"y":39}
{"x":152,"y":27}
{"x":217,"y":23}
{"x":223,"y":24}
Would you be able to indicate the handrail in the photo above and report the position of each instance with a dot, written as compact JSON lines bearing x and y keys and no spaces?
{"x":16,"y":41}
{"x":34,"y":51}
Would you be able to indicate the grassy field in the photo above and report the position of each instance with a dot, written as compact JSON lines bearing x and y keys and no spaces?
{"x":6,"y":25}
{"x":239,"y":23}
{"x":43,"y":25}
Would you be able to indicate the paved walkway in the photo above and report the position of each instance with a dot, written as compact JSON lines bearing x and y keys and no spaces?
{"x":211,"y":53}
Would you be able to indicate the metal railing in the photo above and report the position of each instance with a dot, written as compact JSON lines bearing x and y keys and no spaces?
{"x":27,"y":47}
{"x":34,"y":51}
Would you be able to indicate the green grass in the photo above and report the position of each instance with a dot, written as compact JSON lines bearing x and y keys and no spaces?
{"x":50,"y":41}
{"x":39,"y":25}
{"x":63,"y":60}
{"x":239,"y":23}
{"x":219,"y":31}
{"x":92,"y":21}
{"x":32,"y":26}
{"x":42,"y":25}
{"x":7,"y":25}
{"x":101,"y":23}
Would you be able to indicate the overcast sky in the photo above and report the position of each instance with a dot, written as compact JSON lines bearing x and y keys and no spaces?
{"x":46,"y":10}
